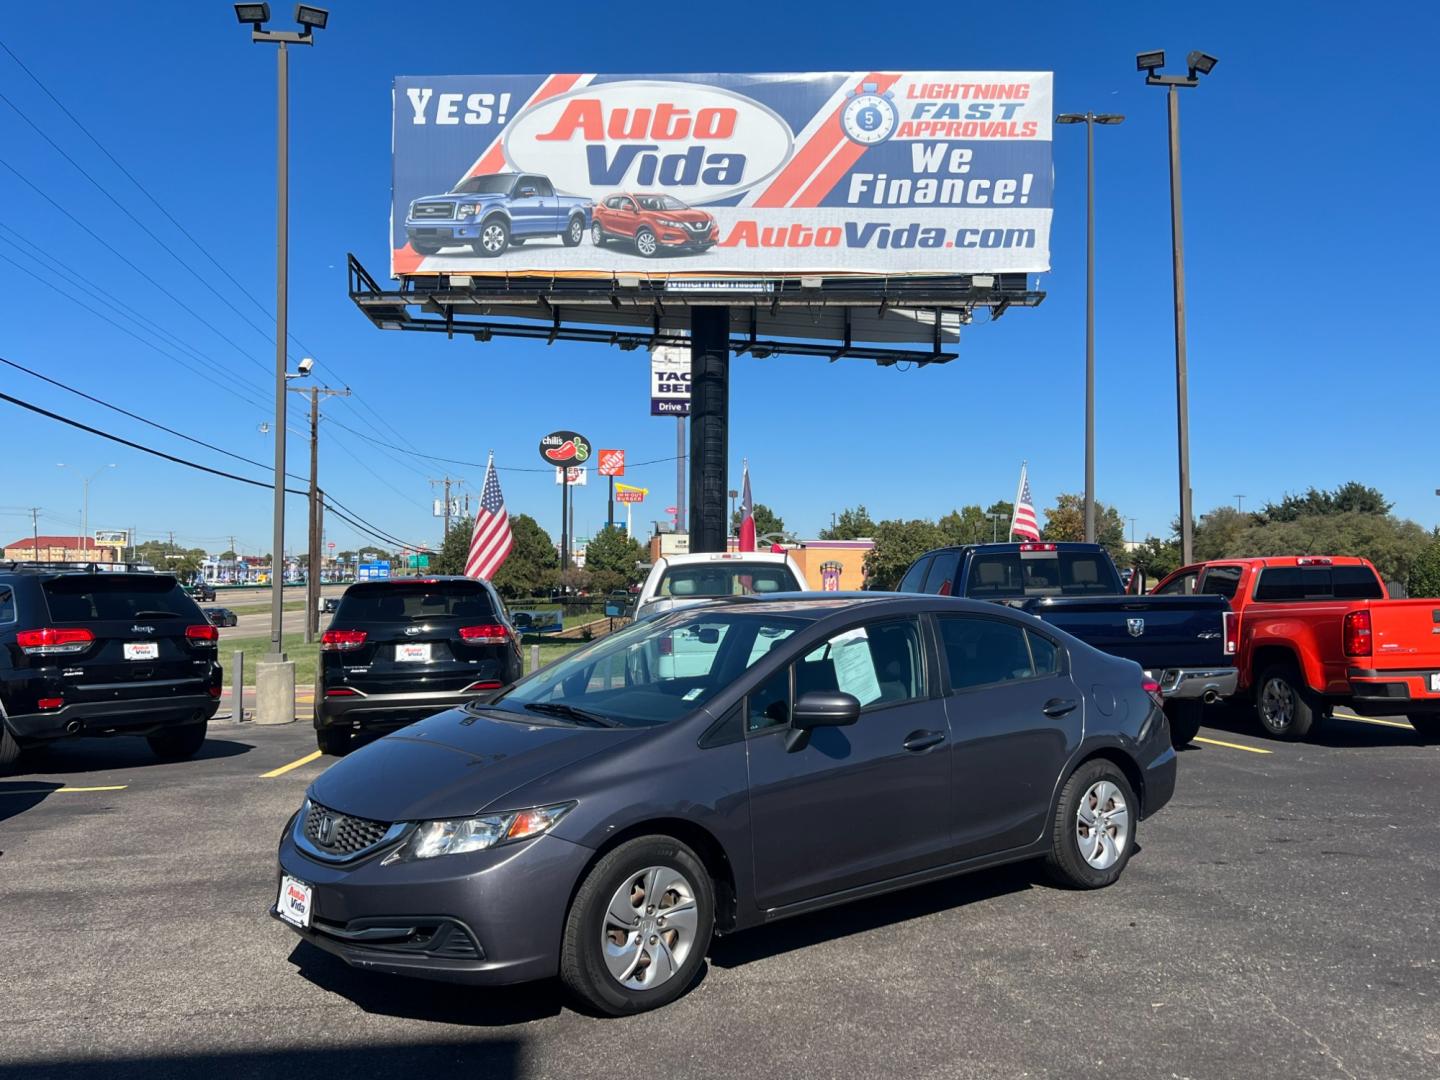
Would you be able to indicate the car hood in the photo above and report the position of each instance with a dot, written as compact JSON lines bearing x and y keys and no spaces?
{"x":455,"y":764}
{"x":468,"y":197}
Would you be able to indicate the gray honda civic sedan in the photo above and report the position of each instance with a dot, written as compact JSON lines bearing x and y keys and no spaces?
{"x":716,"y":768}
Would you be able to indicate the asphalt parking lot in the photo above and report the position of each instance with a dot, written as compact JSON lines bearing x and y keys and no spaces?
{"x":1279,"y":920}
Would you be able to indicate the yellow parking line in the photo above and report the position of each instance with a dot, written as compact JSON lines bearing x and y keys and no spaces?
{"x":1232,"y":745}
{"x":46,"y":791}
{"x":1374,"y":720}
{"x":283,"y":769}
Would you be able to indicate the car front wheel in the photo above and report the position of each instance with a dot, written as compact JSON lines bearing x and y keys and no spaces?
{"x":425,"y":247}
{"x":1093,"y":833}
{"x":646,"y":244}
{"x":638,"y":928}
{"x":494,"y":237}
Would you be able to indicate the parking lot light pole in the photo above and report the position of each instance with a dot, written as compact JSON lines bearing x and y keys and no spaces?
{"x":1199,"y":64}
{"x":1090,"y":119}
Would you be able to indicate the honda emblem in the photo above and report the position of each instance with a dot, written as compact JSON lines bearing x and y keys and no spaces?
{"x":1135,"y":626}
{"x":324,"y":829}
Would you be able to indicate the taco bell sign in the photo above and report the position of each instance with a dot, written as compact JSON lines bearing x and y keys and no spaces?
{"x":670,"y":381}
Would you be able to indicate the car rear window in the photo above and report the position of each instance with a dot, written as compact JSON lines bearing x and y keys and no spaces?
{"x":1282,"y":584}
{"x":726,"y":579}
{"x":1063,"y":573}
{"x":392,"y":601}
{"x":83,"y":598}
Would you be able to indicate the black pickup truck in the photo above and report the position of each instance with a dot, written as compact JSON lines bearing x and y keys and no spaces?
{"x":1184,"y":643}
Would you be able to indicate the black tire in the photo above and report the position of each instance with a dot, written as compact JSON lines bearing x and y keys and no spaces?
{"x":574,"y":231}
{"x":1066,"y":862}
{"x":333,"y":741}
{"x":645,"y":243}
{"x":583,"y":968}
{"x":597,"y":235}
{"x":1284,"y":705}
{"x":517,"y":241}
{"x":425,"y":247}
{"x":9,"y":748}
{"x":1426,"y":725}
{"x":493,"y":243}
{"x":1184,"y":717}
{"x":178,"y":743}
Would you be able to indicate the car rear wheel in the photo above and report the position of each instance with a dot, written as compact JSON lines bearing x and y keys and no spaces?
{"x":1284,"y":704}
{"x":574,"y":231}
{"x":494,"y":237}
{"x":1426,"y":725}
{"x":638,"y":928}
{"x":1184,"y":717}
{"x":333,"y":741}
{"x":425,"y":247}
{"x":597,"y":235}
{"x":646,"y":244}
{"x":9,"y":748}
{"x":178,"y":743}
{"x":1093,"y":833}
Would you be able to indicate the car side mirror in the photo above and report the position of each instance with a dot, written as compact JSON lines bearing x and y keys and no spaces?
{"x":820,"y":708}
{"x":709,"y":635}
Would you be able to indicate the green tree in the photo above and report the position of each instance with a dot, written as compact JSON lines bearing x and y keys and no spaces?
{"x":968,"y":525}
{"x":454,"y":549}
{"x":897,"y":545}
{"x":766,"y":521}
{"x":1349,"y":498}
{"x":1154,"y":558}
{"x":1394,"y":545}
{"x":1066,"y":521}
{"x":184,"y":563}
{"x":1424,"y":579}
{"x":1216,"y":532}
{"x":610,"y":559}
{"x":852,"y":524}
{"x":1000,"y":514}
{"x":533,"y":561}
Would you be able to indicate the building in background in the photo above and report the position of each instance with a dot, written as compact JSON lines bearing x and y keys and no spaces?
{"x":59,"y":549}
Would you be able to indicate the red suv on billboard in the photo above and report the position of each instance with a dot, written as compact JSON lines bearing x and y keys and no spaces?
{"x":652,"y":222}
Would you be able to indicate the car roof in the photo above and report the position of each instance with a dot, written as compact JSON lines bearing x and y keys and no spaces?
{"x":1281,"y":560}
{"x":822,"y":605}
{"x":704,"y":557}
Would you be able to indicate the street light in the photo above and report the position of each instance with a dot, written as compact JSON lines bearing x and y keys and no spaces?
{"x":85,"y":510}
{"x":1090,"y":119}
{"x":1198,"y":63}
{"x":310,"y":19}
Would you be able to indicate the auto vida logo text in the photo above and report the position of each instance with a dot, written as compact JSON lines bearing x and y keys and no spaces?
{"x":698,"y":142}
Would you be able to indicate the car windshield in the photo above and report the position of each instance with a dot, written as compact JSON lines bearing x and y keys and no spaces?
{"x":493,"y":184}
{"x":418,"y":601}
{"x":660,"y":202}
{"x":729,"y":578}
{"x":650,"y":673}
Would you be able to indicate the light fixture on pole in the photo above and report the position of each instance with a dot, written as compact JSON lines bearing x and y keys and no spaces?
{"x":1090,"y":119}
{"x":310,"y":19}
{"x":1199,"y":64}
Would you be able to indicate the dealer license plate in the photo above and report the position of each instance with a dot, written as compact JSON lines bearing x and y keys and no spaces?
{"x":1435,"y":682}
{"x":413,"y":653}
{"x":294,"y":903}
{"x":141,"y":650}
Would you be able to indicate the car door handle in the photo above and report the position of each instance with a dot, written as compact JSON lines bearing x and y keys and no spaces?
{"x":1059,"y":706}
{"x":923,"y":740}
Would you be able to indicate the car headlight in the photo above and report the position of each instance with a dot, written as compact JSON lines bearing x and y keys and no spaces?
{"x":459,"y":835}
{"x":673,"y":224}
{"x":466,"y":209}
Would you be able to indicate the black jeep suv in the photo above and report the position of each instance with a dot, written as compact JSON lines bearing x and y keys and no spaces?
{"x":89,"y":652}
{"x":399,"y":651}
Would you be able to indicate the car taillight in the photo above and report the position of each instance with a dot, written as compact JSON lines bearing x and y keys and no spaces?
{"x":54,"y":642}
{"x":484,"y":684}
{"x":1313,"y":560}
{"x":1152,"y":687}
{"x":1232,"y":633}
{"x":486,"y":634}
{"x":1038,"y":547}
{"x":51,"y":703}
{"x":204,"y":633}
{"x":341,"y":640}
{"x":1357,"y":633}
{"x":215,"y":692}
{"x":340,"y":691}
{"x":666,"y":645}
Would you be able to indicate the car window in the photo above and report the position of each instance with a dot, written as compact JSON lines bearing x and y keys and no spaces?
{"x":941,"y":578}
{"x":489,"y":184}
{"x":1355,"y":583}
{"x":627,"y":204}
{"x":980,"y":652}
{"x":1279,"y":584}
{"x":914,"y":579}
{"x":614,"y":202}
{"x":542,"y":186}
{"x":768,"y":705}
{"x":1183,"y":585}
{"x":1221,"y":581}
{"x":1003,"y":574}
{"x":1044,"y":653}
{"x":729,"y":578}
{"x":82,"y":598}
{"x":415,"y":601}
{"x":7,"y":605}
{"x":767,"y":639}
{"x":879,"y":664}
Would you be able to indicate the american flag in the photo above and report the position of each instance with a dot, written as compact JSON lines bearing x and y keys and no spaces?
{"x":1024,"y":524}
{"x":492,"y":540}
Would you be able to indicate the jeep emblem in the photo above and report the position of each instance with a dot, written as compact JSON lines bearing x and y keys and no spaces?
{"x":1135,"y":626}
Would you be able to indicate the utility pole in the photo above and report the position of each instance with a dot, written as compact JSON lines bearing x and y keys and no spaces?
{"x":1132,"y":530}
{"x":312,"y":559}
{"x":447,"y":480}
{"x":1240,"y":503}
{"x":35,"y":532}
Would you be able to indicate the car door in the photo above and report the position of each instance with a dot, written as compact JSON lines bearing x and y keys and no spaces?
{"x":527,"y":209}
{"x":1015,"y":718}
{"x":550,"y":219}
{"x":626,"y":217}
{"x":858,"y":804}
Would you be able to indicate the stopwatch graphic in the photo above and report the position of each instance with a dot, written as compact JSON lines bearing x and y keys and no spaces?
{"x":869,"y":117}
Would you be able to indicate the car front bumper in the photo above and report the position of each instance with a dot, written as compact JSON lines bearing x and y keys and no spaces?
{"x":1208,"y":684}
{"x":491,"y":917}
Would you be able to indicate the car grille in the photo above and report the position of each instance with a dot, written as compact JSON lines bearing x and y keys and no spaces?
{"x":698,"y":226}
{"x":434,"y":210}
{"x":344,"y":835}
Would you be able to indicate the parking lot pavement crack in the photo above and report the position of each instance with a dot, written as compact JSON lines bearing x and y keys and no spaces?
{"x":1325,"y":1050}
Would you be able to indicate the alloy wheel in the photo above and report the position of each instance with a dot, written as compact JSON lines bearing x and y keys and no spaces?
{"x":1102,"y":825}
{"x":493,"y":239}
{"x":577,"y":230}
{"x":646,"y":244}
{"x":650,"y":927}
{"x":1277,"y":704}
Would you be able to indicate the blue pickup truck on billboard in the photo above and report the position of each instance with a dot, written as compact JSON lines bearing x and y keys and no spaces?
{"x":880,"y":172}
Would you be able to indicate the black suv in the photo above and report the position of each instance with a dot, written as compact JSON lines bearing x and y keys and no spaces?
{"x":86,"y":652}
{"x":399,"y":651}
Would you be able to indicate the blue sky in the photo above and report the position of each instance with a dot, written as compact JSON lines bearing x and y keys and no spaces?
{"x":1309,"y":247}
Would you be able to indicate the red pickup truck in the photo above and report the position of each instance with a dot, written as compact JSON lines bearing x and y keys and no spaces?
{"x":1316,"y":631}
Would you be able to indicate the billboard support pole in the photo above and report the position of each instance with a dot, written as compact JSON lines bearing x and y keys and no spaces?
{"x":610,"y":518}
{"x":681,"y":457}
{"x":564,"y":522}
{"x":709,"y":426}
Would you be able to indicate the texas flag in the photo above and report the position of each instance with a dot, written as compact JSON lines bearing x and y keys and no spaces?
{"x":747,"y":514}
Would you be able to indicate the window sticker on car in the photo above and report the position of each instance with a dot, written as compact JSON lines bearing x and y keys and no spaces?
{"x":854,"y":666}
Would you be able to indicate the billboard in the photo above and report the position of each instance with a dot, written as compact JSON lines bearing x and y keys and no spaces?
{"x":612,"y":463}
{"x":626,"y":493}
{"x":574,"y":475}
{"x":880,"y":172}
{"x":112,"y":538}
{"x":378,"y":570}
{"x":670,"y":381}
